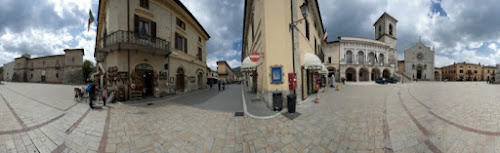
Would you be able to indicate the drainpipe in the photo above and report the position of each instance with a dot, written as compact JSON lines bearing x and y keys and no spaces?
{"x":128,"y":51}
{"x":295,"y":53}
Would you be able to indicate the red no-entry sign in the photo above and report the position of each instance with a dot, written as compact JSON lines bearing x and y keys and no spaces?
{"x":254,"y":56}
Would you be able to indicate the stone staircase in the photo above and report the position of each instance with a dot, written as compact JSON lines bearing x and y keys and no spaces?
{"x":403,"y":77}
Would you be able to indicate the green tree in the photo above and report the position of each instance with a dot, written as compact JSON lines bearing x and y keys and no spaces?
{"x":88,"y":68}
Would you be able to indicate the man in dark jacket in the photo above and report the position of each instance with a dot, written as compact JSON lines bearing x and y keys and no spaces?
{"x":92,"y":94}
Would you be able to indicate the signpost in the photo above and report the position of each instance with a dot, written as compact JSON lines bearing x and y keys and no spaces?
{"x":254,"y":56}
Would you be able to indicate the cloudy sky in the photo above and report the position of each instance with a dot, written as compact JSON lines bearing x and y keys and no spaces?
{"x":460,"y":30}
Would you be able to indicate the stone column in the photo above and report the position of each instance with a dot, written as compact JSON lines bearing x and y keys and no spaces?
{"x":370,"y":75}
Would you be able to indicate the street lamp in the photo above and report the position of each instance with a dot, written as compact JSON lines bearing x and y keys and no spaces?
{"x":304,"y":9}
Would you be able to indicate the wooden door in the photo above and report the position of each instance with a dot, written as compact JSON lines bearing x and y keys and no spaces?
{"x":180,"y":82}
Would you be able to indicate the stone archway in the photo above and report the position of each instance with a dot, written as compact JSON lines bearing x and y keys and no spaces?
{"x":386,"y":73}
{"x":350,"y":74}
{"x":363,"y":74}
{"x":331,"y":71}
{"x":437,"y":76}
{"x":420,"y":69}
{"x":375,"y":74}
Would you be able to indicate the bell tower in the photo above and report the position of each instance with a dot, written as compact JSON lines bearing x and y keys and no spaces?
{"x":385,"y":29}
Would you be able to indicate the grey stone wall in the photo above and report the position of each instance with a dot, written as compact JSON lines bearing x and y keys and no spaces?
{"x":73,"y":76}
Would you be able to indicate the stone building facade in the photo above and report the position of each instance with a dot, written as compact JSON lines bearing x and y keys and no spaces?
{"x":488,"y":72}
{"x":419,"y":62}
{"x":287,"y":41}
{"x":463,"y":72}
{"x":1,"y":72}
{"x":361,"y":59}
{"x":156,"y":45}
{"x":66,"y":68}
{"x":8,"y":71}
{"x":224,"y":72}
{"x":438,"y":74}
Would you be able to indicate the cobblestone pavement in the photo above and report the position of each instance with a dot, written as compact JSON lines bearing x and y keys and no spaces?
{"x":416,"y":117}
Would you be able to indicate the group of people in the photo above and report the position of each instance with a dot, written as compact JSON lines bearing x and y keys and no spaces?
{"x":220,"y":83}
{"x":94,"y":90}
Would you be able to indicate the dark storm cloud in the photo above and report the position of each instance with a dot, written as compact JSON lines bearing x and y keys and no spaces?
{"x":468,"y":21}
{"x":34,"y":27}
{"x":223,"y":20}
{"x":20,"y":15}
{"x":349,"y":18}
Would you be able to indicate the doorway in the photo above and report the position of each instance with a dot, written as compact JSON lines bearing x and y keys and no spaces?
{"x":179,"y":84}
{"x":200,"y":80}
{"x":419,"y":74}
{"x":145,"y":83}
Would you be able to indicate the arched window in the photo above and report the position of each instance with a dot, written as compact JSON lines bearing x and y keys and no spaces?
{"x":381,"y":59}
{"x":361,"y":57}
{"x":390,"y":29}
{"x":380,"y":30}
{"x":371,"y":58}
{"x":348,"y":55}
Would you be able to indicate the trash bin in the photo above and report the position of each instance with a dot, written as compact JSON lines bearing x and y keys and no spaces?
{"x":292,"y":101}
{"x":277,"y":101}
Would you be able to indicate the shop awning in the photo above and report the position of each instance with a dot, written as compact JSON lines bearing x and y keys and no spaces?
{"x":312,"y":62}
{"x":323,"y":70}
{"x":247,"y":65}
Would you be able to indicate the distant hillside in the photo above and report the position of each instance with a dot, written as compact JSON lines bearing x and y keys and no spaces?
{"x":237,"y":71}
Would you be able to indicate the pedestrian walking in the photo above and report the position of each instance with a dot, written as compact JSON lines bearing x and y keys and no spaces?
{"x":210,"y":83}
{"x":343,"y":81}
{"x":333,"y":81}
{"x":104,"y":95}
{"x":223,"y":85}
{"x":91,"y":94}
{"x":219,"y":83}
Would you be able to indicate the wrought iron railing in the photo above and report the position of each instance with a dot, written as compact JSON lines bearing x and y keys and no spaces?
{"x":133,"y":38}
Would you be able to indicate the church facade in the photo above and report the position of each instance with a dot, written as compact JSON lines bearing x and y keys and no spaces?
{"x":419,"y":62}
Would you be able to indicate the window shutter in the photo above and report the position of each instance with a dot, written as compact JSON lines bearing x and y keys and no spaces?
{"x":176,"y":39}
{"x":136,"y":24}
{"x":185,"y":45}
{"x":153,"y":31}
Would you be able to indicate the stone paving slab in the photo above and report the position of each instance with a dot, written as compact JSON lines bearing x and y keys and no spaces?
{"x":417,"y":117}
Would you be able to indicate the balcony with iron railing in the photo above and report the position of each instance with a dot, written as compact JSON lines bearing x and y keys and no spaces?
{"x":133,"y":41}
